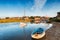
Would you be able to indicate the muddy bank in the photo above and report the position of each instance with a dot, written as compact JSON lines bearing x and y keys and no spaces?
{"x":53,"y":33}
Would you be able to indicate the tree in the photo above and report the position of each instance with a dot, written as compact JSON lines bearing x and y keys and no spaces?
{"x":7,"y":18}
{"x":31,"y":17}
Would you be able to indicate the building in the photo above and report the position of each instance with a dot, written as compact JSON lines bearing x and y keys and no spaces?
{"x":58,"y":15}
{"x":37,"y":20}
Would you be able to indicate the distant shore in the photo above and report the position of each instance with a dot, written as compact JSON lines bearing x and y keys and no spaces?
{"x":13,"y":20}
{"x":23,"y":19}
{"x":7,"y":21}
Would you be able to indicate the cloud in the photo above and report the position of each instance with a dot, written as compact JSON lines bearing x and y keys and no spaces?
{"x":36,"y":8}
{"x":38,"y":4}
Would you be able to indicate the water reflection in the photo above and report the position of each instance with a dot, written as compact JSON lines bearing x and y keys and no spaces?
{"x":13,"y":31}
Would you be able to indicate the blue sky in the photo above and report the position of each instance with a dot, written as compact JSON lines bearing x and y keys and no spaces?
{"x":15,"y":8}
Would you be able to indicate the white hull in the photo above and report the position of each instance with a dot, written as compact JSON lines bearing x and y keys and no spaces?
{"x":38,"y":36}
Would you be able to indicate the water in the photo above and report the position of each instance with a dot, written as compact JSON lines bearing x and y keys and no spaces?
{"x":13,"y":31}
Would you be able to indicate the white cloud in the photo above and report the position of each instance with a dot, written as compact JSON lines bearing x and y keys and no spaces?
{"x":38,"y":4}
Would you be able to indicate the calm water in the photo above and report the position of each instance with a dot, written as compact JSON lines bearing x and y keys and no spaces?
{"x":13,"y":31}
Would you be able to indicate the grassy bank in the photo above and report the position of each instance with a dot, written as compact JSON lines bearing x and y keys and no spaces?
{"x":13,"y":20}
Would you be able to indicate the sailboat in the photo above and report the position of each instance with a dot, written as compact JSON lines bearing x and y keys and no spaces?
{"x":23,"y":24}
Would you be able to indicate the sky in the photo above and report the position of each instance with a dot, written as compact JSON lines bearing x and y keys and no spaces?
{"x":16,"y":8}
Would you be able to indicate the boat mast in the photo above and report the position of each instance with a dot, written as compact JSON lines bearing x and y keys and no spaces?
{"x":24,"y":11}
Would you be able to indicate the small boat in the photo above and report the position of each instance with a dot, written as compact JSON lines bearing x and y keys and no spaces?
{"x":40,"y":32}
{"x":37,"y":34}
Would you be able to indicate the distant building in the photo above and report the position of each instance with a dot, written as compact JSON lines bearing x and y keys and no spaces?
{"x":37,"y":19}
{"x":58,"y":14}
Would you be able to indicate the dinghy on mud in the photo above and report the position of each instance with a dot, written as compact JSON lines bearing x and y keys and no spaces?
{"x":40,"y":32}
